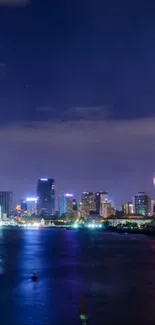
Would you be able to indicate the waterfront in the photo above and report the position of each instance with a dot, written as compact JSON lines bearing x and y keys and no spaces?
{"x":116,"y":274}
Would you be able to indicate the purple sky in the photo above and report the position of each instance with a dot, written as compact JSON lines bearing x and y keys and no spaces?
{"x":77,"y":98}
{"x":116,"y":156}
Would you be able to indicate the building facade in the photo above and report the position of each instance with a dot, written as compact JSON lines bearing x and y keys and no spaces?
{"x":128,"y":208}
{"x":65,"y":203}
{"x":68,"y":206}
{"x":152,"y":207}
{"x":6,"y":203}
{"x":23,"y":206}
{"x":88,"y":202}
{"x":46,"y":196}
{"x":31,"y":206}
{"x":142,"y":203}
{"x":104,"y":204}
{"x":99,"y":197}
{"x":107,"y":210}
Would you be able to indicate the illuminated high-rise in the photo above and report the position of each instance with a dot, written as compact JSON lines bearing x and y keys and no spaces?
{"x":6,"y":202}
{"x":23,"y":206}
{"x":31,"y":206}
{"x":88,"y":201}
{"x":106,"y":209}
{"x":65,"y":203}
{"x":142,"y":204}
{"x":128,"y":208}
{"x":100,"y":197}
{"x":68,"y":206}
{"x":46,"y":196}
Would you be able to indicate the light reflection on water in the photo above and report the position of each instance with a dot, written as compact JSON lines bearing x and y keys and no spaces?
{"x":115,"y":273}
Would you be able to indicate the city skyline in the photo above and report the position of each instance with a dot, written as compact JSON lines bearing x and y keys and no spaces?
{"x":83,"y":111}
{"x":111,"y":196}
{"x":77,"y":162}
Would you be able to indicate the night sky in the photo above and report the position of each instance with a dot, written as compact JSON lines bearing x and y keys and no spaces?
{"x":77,"y":96}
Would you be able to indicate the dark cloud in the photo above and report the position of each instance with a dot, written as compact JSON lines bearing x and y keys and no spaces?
{"x":108,"y":134}
{"x":117,"y":156}
{"x":14,"y":2}
{"x":89,"y":112}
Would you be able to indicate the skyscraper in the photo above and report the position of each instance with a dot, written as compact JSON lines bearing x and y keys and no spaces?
{"x":88,"y":202}
{"x":106,"y":209}
{"x":127,"y":208}
{"x":68,"y":207}
{"x":46,"y":196}
{"x":31,"y":206}
{"x":6,"y":202}
{"x":99,"y":198}
{"x":65,"y":203}
{"x":23,"y":206}
{"x":142,"y":204}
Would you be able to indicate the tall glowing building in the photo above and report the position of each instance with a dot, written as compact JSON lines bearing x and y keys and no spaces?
{"x":142,"y":204}
{"x":6,"y":202}
{"x":68,"y":206}
{"x":106,"y":208}
{"x":46,"y":196}
{"x":88,"y":201}
{"x":65,"y":203}
{"x":31,"y":206}
{"x":127,"y":208}
{"x":99,"y":197}
{"x":23,"y":206}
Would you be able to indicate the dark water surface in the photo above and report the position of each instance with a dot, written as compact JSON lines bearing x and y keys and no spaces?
{"x":116,"y":273}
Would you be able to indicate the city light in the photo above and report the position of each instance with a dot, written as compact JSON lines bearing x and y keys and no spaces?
{"x":93,"y":225}
{"x":18,"y":208}
{"x":36,"y":224}
{"x":68,"y":195}
{"x":32,"y":225}
{"x":31,"y":199}
{"x":44,"y":179}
